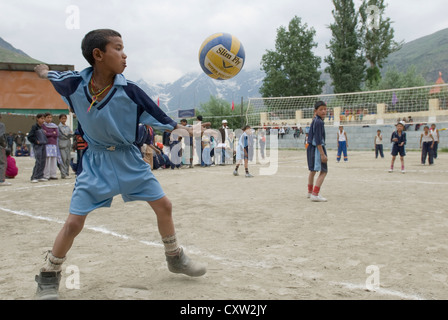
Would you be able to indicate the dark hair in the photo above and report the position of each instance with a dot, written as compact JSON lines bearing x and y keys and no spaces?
{"x":246,"y":127}
{"x":319,"y":104}
{"x":199,"y":118}
{"x":183,"y":120}
{"x":46,"y":114}
{"x":62,"y":115}
{"x":40,"y":115}
{"x":96,"y":39}
{"x":8,"y":152}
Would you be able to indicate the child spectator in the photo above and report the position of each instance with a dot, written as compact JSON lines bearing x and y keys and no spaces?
{"x":175,"y":151}
{"x":435,"y":134}
{"x":262,"y":143}
{"x":378,"y":143}
{"x":243,"y":153}
{"x":398,"y":139}
{"x":25,"y":151}
{"x":19,"y":152}
{"x":3,"y":162}
{"x":52,"y":132}
{"x":65,"y":145}
{"x":188,"y":143}
{"x":11,"y":166}
{"x":38,"y":138}
{"x":206,"y":144}
{"x":342,"y":144}
{"x":427,"y":146}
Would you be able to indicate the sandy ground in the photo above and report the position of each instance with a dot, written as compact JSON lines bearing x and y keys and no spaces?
{"x":261,"y":237}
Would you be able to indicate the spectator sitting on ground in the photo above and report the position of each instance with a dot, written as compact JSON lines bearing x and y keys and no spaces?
{"x":11,"y":166}
{"x":18,"y":152}
{"x":25,"y":151}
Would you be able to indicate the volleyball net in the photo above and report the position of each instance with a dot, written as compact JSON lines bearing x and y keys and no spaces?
{"x":419,"y":104}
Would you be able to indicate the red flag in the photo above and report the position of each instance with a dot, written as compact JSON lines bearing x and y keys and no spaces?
{"x":233,"y":105}
{"x":158,"y":102}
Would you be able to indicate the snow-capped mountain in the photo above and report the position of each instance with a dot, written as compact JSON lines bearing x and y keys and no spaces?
{"x":192,"y":89}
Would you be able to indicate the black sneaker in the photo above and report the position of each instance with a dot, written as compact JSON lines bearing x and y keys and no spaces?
{"x":48,"y":285}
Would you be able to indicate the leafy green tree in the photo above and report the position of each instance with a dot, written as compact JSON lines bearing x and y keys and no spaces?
{"x":217,"y":109}
{"x":377,"y":37}
{"x":394,"y":79}
{"x":346,"y":64}
{"x":292,"y":69}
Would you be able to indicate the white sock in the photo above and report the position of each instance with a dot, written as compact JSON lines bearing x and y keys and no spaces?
{"x":171,"y":246}
{"x":53,"y":263}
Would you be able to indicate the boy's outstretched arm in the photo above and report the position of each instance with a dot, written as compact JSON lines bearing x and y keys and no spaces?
{"x":42,"y":70}
{"x":188,"y":129}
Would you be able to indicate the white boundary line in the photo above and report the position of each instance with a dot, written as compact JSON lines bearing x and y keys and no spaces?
{"x":235,"y":263}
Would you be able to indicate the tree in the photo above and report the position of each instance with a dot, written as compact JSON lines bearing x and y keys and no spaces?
{"x":217,"y":109}
{"x":394,"y":79}
{"x":377,"y":36}
{"x":346,"y":64}
{"x":292,"y":69}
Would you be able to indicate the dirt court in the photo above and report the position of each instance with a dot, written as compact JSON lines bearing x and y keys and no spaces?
{"x":261,"y":238}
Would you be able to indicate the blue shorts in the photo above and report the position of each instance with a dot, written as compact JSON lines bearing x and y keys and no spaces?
{"x":314,"y":160}
{"x":106,"y":173}
{"x":398,"y":150}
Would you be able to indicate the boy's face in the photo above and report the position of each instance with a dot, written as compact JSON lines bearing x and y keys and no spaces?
{"x":321,"y":111}
{"x":48,"y":119}
{"x":400,"y":127}
{"x":63,"y":120}
{"x":114,"y":58}
{"x":40,"y":121}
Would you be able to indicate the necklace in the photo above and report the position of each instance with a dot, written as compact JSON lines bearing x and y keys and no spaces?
{"x":95,"y":95}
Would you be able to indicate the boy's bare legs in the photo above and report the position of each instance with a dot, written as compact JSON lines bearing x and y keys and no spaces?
{"x":246,"y":168}
{"x":320,"y":179}
{"x":178,"y":261}
{"x":163,"y":210}
{"x":314,"y":188}
{"x":392,"y":164}
{"x":64,"y":240}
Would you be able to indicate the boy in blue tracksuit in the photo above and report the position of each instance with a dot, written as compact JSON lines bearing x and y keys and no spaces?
{"x":109,"y":108}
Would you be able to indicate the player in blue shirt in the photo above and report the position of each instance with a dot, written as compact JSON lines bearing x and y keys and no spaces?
{"x":316,"y":152}
{"x":108,"y":108}
{"x":398,"y":139}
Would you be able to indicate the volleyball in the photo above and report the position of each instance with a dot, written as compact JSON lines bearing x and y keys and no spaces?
{"x":221,"y":56}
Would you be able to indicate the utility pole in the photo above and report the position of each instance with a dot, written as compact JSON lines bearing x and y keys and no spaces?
{"x":242,"y":118}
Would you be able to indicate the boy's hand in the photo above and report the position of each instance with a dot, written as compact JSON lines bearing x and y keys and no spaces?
{"x":42,"y":70}
{"x":323,"y":158}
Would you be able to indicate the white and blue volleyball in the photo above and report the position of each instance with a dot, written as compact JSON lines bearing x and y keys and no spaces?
{"x":221,"y":56}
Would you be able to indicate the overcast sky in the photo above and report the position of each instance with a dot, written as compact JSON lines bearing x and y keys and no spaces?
{"x":162,"y":38}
